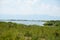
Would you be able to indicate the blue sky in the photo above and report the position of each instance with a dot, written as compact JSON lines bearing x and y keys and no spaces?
{"x":30,"y":9}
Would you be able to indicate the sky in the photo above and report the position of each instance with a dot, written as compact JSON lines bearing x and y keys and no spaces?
{"x":30,"y":9}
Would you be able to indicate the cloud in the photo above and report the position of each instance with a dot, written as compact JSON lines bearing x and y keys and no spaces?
{"x":28,"y":7}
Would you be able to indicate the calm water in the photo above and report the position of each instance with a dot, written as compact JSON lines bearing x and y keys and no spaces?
{"x":28,"y":22}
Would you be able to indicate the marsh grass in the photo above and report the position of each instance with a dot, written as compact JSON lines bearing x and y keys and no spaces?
{"x":14,"y":31}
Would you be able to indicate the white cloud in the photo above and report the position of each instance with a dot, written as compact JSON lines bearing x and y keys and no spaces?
{"x":30,"y":2}
{"x":7,"y":10}
{"x":29,"y":7}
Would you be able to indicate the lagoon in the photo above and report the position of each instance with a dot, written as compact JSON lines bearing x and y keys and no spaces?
{"x":27,"y":22}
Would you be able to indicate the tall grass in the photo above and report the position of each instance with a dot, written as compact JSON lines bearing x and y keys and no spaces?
{"x":14,"y":31}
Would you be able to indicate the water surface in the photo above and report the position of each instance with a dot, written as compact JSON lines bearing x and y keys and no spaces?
{"x":28,"y":22}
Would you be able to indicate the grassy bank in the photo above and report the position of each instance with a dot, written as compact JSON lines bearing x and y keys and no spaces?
{"x":14,"y":31}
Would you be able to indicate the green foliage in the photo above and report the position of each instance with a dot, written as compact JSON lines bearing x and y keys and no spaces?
{"x":14,"y":31}
{"x":27,"y":34}
{"x":52,"y":23}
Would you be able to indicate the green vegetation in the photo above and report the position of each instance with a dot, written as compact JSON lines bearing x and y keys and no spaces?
{"x":14,"y":31}
{"x":52,"y":23}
